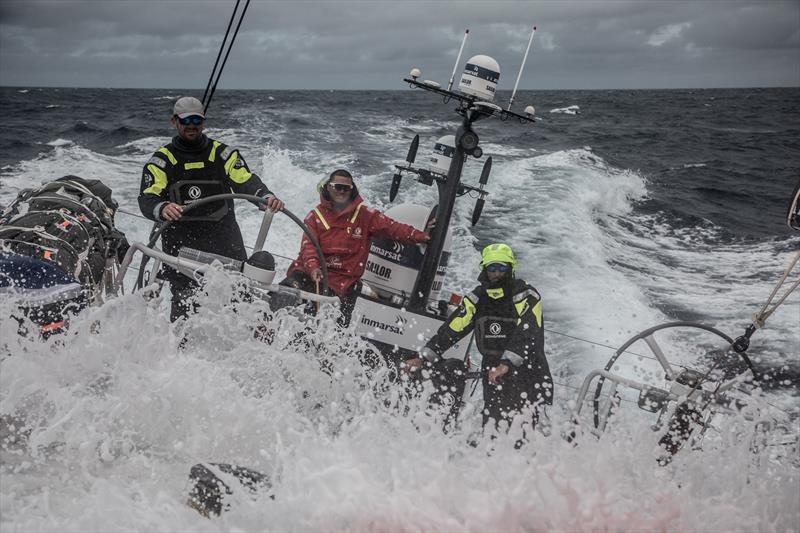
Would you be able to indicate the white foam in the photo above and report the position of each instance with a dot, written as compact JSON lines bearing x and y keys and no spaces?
{"x":553,"y":213}
{"x":277,"y":169}
{"x":146,"y":145}
{"x":60,"y":142}
{"x":569,"y":110}
{"x":134,"y":413}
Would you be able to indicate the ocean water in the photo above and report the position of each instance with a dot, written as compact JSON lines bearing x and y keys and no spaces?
{"x":626,"y":209}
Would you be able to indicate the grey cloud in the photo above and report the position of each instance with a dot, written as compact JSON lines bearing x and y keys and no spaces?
{"x":333,"y":44}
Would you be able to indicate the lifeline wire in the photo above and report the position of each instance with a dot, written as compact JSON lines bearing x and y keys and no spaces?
{"x":587,"y":341}
{"x":546,"y":329}
{"x":145,"y":218}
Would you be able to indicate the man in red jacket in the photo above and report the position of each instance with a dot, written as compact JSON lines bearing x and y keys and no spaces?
{"x":344,"y":227}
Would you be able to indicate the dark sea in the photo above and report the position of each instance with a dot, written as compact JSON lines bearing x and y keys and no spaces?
{"x":727,"y":156}
{"x":626,"y":209}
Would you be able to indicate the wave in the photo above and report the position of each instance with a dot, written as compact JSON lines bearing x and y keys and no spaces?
{"x":553,"y":209}
{"x":60,"y":142}
{"x":135,"y":412}
{"x":119,"y":398}
{"x":82,"y":127}
{"x":145,"y":145}
{"x":569,"y":110}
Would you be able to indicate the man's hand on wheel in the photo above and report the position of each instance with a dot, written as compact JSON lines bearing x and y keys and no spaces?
{"x":172,"y":211}
{"x":273,"y":204}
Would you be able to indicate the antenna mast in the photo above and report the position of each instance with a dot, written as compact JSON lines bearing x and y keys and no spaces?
{"x":455,"y":67}
{"x":522,"y":66}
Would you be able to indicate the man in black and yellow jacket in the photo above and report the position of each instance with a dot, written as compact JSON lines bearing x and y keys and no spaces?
{"x":506,"y":315}
{"x":189,"y":168}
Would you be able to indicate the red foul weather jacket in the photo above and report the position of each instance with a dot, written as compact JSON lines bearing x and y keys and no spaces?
{"x":345,"y":237}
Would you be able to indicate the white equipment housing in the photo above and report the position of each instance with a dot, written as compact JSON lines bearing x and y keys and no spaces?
{"x":396,"y":327}
{"x":380,"y":313}
{"x":480,"y":77}
{"x":442,"y":155}
{"x":392,"y":267}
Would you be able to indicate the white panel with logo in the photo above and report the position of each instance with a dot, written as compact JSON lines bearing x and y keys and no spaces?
{"x":398,"y":327}
{"x":392,"y":267}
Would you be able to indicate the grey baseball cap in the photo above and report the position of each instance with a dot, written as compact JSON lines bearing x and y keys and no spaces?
{"x":188,"y":106}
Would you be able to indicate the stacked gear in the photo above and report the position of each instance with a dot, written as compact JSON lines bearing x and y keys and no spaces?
{"x":59,"y":248}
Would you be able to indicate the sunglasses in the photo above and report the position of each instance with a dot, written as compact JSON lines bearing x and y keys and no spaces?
{"x":194,"y":119}
{"x":498,"y":267}
{"x":340,"y":187}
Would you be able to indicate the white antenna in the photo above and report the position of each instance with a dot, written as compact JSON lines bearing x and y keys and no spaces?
{"x":522,"y":66}
{"x":455,"y":68}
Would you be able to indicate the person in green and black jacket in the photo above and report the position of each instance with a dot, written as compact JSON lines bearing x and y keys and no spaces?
{"x":189,"y":168}
{"x":506,"y":315}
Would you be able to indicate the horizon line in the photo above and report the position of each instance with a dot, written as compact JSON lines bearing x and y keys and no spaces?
{"x":401,"y":89}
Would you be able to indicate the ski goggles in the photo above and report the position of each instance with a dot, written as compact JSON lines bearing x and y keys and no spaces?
{"x":194,"y":119}
{"x":341,"y":187}
{"x":498,"y":267}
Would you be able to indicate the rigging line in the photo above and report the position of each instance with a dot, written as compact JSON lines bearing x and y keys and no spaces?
{"x":561,"y":384}
{"x":219,"y":54}
{"x":230,"y":47}
{"x":765,"y":313}
{"x":605,"y":346}
{"x":137,"y":215}
{"x":548,"y":330}
{"x":643,"y":356}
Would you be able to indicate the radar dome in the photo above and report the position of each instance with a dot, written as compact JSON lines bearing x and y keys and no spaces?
{"x":480,"y":78}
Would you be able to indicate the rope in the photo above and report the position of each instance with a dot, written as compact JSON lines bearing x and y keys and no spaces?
{"x":765,"y":313}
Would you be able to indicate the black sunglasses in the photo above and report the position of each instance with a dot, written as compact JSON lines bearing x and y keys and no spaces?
{"x":498,"y":267}
{"x":194,"y":119}
{"x":341,"y":187}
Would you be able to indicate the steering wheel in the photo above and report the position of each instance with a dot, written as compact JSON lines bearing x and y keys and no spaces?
{"x":671,"y":373}
{"x":156,"y":234}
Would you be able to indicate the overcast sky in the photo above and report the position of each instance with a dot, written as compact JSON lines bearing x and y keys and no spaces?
{"x":297,"y":44}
